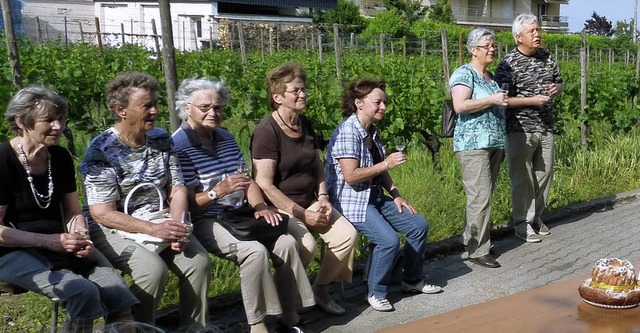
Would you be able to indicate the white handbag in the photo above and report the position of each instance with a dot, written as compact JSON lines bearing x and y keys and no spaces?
{"x":151,"y":243}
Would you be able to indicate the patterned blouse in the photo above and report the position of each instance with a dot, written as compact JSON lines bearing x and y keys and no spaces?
{"x":482,"y":129}
{"x":111,"y":169}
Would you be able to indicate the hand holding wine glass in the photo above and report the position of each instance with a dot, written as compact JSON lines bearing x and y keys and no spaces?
{"x":185,"y":218}
{"x":401,"y":144}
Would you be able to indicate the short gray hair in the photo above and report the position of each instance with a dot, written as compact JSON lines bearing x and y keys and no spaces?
{"x":188,"y":87}
{"x":32,"y":102}
{"x":476,"y":35}
{"x":519,"y":23}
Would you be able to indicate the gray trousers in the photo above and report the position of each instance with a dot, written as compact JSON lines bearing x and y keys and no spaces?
{"x":262,"y":294}
{"x":149,"y":272}
{"x":530,"y":157}
{"x":480,"y":170}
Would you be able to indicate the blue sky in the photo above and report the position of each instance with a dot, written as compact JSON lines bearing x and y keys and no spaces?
{"x":578,"y":11}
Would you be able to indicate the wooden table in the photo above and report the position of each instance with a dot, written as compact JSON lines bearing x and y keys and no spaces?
{"x":556,"y":307}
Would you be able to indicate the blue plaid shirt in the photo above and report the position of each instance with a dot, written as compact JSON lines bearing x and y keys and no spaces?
{"x":348,"y":141}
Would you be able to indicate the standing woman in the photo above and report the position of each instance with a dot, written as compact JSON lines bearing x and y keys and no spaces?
{"x":43,"y":243}
{"x":479,"y":140}
{"x":288,"y":168}
{"x":358,"y":175}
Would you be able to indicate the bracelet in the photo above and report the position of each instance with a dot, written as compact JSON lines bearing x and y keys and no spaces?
{"x":321,"y":194}
{"x":386,"y":164}
{"x":393,"y":188}
{"x":260,"y":206}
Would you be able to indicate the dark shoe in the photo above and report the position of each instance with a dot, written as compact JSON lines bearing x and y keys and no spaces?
{"x":282,"y":328}
{"x":485,"y":261}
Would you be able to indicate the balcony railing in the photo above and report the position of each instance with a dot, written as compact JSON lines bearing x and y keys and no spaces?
{"x":503,"y":18}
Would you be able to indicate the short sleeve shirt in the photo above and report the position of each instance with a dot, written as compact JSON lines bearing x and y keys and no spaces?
{"x":112,"y":169}
{"x":526,"y":76}
{"x":482,"y":129}
{"x":295,"y":158}
{"x":202,"y":169}
{"x":16,"y":194}
{"x":348,"y":141}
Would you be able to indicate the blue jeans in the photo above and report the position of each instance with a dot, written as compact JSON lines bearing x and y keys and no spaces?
{"x":381,"y":227}
{"x":102,"y":292}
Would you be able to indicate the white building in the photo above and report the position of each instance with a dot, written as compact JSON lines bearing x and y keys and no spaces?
{"x":194,"y":22}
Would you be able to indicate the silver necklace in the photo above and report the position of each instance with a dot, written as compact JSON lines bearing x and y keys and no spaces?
{"x":42,"y":200}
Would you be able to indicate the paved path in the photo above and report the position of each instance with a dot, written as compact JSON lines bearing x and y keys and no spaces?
{"x":580,"y":235}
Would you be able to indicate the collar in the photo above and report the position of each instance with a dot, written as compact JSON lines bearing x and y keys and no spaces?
{"x":192,"y":136}
{"x":360,"y":129}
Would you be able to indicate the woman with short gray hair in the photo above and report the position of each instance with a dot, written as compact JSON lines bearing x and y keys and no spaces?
{"x":44,"y":245}
{"x":212,"y":166}
{"x":478,"y":140}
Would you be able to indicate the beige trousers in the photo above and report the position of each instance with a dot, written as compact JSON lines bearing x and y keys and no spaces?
{"x":262,"y":294}
{"x":340,"y":240}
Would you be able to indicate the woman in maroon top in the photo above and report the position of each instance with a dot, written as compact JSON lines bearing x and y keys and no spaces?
{"x":288,"y":168}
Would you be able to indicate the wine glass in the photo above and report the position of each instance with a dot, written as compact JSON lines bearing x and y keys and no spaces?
{"x":401,"y":143}
{"x":185,"y":217}
{"x":81,"y":231}
{"x":504,"y":87}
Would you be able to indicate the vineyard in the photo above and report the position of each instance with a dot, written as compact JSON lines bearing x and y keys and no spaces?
{"x":416,"y":90}
{"x":416,"y":85}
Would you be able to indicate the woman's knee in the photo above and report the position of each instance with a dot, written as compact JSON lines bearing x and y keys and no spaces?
{"x":254,"y":254}
{"x":389,"y":242}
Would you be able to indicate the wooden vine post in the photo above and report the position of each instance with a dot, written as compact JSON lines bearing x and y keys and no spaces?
{"x":445,"y":60}
{"x":338,"y":49}
{"x":12,"y":46}
{"x":169,"y":58}
{"x":584,"y":128}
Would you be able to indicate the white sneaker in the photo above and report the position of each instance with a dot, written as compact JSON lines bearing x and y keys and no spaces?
{"x":525,"y":232}
{"x":380,"y":304}
{"x":543,"y":229}
{"x":419,"y":287}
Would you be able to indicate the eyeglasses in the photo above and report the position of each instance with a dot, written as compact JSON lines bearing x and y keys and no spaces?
{"x":532,"y":32}
{"x":206,"y":107}
{"x":296,"y":92}
{"x":488,"y":47}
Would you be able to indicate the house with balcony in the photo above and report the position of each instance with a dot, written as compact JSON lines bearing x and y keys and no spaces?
{"x":194,"y":22}
{"x":494,"y":14}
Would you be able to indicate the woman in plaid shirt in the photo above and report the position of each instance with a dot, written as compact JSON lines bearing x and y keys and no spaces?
{"x":357,"y":176}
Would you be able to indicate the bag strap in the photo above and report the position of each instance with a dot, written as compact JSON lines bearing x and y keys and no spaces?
{"x":135,"y":188}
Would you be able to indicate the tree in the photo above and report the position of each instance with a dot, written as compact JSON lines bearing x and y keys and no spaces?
{"x":441,"y":12}
{"x":347,"y":14}
{"x":624,"y":30}
{"x":411,"y":10}
{"x":598,"y":25}
{"x":388,"y":22}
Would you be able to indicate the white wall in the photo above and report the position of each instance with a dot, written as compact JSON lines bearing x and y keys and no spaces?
{"x":52,"y":16}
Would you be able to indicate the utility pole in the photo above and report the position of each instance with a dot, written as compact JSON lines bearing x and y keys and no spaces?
{"x":635,"y":22}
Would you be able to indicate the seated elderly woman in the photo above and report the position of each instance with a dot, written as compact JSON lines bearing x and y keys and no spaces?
{"x":212,"y":165}
{"x":289,"y":170}
{"x":131,"y":153}
{"x":43,"y":243}
{"x":357,"y":177}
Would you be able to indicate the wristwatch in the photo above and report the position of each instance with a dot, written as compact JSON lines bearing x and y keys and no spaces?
{"x":212,"y":195}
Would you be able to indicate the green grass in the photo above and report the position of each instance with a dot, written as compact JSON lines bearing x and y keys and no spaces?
{"x":609,"y":167}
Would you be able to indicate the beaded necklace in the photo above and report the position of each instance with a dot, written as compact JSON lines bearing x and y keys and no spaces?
{"x":42,"y":200}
